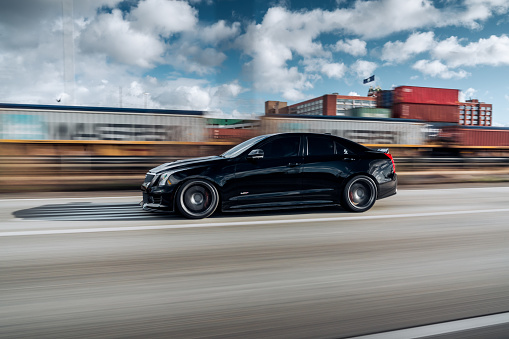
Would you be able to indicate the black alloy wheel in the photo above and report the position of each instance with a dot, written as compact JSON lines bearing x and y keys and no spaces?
{"x":359,"y":194}
{"x":197,"y":199}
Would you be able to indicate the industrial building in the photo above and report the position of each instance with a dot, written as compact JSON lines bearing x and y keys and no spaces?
{"x":403,"y":102}
{"x":475,"y":113}
{"x":328,"y":104}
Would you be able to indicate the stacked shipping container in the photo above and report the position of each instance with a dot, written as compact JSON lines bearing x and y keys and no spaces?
{"x":425,"y":103}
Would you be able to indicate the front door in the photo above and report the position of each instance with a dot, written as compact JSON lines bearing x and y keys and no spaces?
{"x":274,"y":180}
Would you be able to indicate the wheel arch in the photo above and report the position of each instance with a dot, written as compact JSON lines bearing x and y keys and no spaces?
{"x":352,"y":175}
{"x":197,"y":177}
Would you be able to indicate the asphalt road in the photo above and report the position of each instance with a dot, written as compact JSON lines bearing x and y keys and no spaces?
{"x":96,"y":265}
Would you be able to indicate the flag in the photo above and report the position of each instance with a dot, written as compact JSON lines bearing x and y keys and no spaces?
{"x":371,"y":78}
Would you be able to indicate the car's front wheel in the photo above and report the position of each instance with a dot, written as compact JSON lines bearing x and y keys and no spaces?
{"x":359,"y":194}
{"x":197,"y":199}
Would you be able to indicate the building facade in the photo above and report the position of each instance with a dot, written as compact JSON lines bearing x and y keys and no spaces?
{"x":328,"y":104}
{"x":475,"y":113}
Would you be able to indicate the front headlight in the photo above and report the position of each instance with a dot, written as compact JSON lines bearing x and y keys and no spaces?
{"x":165,"y":178}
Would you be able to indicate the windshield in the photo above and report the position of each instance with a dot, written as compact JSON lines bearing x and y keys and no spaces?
{"x":237,"y":150}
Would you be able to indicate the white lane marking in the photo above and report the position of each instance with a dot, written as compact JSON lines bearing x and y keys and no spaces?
{"x":400,"y":190}
{"x":243,"y":223}
{"x":442,"y":328}
{"x":73,"y":198}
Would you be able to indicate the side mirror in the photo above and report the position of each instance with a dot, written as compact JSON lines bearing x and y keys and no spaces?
{"x":255,"y":154}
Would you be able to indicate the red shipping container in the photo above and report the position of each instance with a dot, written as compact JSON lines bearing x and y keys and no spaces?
{"x":438,"y":113}
{"x":483,"y":136}
{"x":426,"y":95}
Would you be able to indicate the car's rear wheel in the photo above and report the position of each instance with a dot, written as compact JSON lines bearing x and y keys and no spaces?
{"x":197,"y":199}
{"x":359,"y":194}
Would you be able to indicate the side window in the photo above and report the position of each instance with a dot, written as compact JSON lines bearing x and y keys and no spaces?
{"x":318,"y":146}
{"x":281,"y":148}
{"x":342,"y":150}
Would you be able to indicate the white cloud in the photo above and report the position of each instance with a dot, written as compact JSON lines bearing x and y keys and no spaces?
{"x":354,"y":94}
{"x":437,"y":69}
{"x":271,"y":44}
{"x":354,"y":47}
{"x":334,"y":70}
{"x":219,"y":31}
{"x":324,"y":66}
{"x":402,"y":51}
{"x":469,"y":93}
{"x":363,"y":68}
{"x":111,"y":35}
{"x":493,"y":51}
{"x":164,"y":17}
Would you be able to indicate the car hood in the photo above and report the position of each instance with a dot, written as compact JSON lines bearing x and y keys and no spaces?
{"x":186,"y":163}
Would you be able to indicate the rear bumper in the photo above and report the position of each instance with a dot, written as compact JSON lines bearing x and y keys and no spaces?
{"x":388,"y":188}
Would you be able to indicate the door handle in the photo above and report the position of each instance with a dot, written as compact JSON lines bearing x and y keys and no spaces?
{"x":293,"y":164}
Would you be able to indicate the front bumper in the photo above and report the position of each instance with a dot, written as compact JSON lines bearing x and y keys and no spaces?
{"x":155,"y":197}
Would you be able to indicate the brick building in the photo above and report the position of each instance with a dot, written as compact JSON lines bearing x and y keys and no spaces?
{"x":475,"y":113}
{"x":328,"y":104}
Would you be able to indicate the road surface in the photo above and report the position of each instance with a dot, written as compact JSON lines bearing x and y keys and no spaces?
{"x":95,"y":265}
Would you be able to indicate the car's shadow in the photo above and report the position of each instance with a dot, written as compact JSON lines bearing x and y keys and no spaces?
{"x":85,"y":211}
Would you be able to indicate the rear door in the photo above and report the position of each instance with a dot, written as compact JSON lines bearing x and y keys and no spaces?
{"x":326,"y":164}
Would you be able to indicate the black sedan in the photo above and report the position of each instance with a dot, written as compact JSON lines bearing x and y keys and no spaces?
{"x":286,"y":170}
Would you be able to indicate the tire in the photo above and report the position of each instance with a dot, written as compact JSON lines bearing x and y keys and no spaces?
{"x":359,"y":194}
{"x":197,"y":199}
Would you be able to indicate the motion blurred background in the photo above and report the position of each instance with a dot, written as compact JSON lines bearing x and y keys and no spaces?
{"x":59,"y":148}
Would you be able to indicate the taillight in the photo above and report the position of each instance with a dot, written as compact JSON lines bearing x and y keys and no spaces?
{"x":392,"y":160}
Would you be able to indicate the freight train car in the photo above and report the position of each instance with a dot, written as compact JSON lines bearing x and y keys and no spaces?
{"x":361,"y":130}
{"x":476,"y":136}
{"x":42,"y":122}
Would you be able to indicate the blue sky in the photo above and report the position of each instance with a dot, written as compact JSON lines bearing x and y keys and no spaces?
{"x":228,"y":57}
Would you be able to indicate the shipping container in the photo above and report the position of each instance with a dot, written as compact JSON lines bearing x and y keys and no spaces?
{"x":425,"y":95}
{"x":362,"y":130}
{"x":479,"y":136}
{"x":433,"y":113}
{"x":41,"y":122}
{"x":384,"y":99}
{"x":369,"y":112}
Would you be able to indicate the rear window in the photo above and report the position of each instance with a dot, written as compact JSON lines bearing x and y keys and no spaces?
{"x":351,"y":146}
{"x":319,"y":146}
